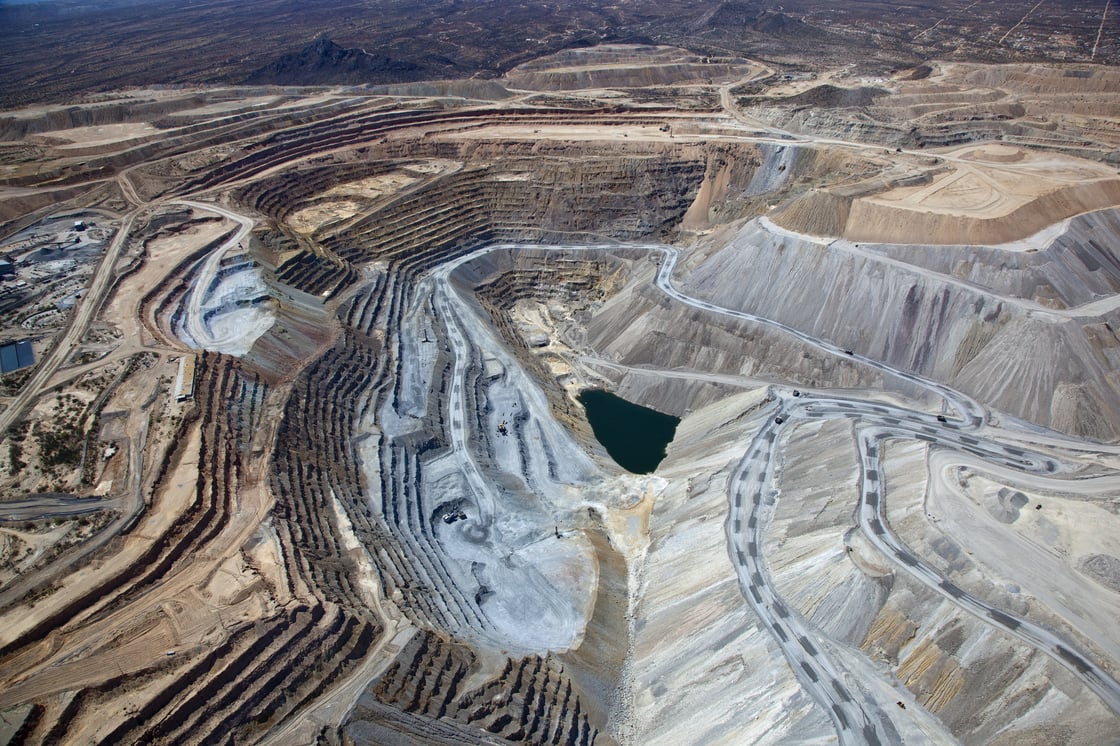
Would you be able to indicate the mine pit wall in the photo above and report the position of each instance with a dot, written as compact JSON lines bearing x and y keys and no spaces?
{"x":165,"y":299}
{"x":553,"y":199}
{"x":16,"y":212}
{"x":316,"y":459}
{"x":598,"y":664}
{"x":61,"y":118}
{"x":984,"y":345}
{"x":742,"y":181}
{"x":431,"y":694}
{"x":281,"y":195}
{"x":642,"y":327}
{"x":370,"y":126}
{"x":872,"y":221}
{"x":593,"y":198}
{"x":166,"y":112}
{"x":536,"y":190}
{"x":218,"y":131}
{"x":499,"y":280}
{"x":302,"y":288}
{"x":250,"y":677}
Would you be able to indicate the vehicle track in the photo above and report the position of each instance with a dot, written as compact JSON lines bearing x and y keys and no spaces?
{"x":752,"y":494}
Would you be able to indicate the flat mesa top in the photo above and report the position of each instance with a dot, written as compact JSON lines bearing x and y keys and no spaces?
{"x":625,"y":66}
{"x":990,"y":194}
{"x":994,"y":180}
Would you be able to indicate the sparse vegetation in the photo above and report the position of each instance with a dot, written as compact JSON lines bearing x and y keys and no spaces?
{"x":15,"y":458}
{"x":11,"y":383}
{"x":139,"y":361}
{"x":60,"y":439}
{"x":41,"y":542}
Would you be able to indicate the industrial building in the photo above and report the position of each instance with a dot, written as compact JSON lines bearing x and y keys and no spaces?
{"x":16,"y":355}
{"x":184,"y":380}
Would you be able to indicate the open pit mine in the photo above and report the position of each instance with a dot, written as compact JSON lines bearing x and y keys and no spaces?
{"x":303,"y":455}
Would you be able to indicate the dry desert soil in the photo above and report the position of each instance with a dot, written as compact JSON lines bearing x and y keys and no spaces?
{"x":302,"y":459}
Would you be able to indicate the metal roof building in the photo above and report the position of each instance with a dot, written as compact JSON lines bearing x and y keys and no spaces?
{"x":16,"y":355}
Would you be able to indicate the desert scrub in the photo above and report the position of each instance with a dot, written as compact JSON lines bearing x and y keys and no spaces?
{"x":60,"y":441}
{"x":15,"y":458}
{"x":13,"y":382}
{"x":17,"y":434}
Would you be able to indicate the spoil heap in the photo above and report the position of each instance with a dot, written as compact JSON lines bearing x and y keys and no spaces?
{"x":382,"y":515}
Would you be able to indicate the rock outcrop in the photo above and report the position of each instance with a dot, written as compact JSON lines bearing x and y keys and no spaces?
{"x":325,"y":63}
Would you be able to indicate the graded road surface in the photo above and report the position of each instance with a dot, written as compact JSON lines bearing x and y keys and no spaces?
{"x":86,"y":309}
{"x":752,"y":494}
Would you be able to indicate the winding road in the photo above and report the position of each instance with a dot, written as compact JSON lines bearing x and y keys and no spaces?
{"x":87,"y":309}
{"x":752,"y":493}
{"x":206,"y":277}
{"x":752,"y":489}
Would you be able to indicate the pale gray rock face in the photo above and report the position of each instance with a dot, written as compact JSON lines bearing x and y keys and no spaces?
{"x":778,"y":163}
{"x":976,"y":334}
{"x":983,"y":339}
{"x":1005,"y":504}
{"x":227,"y":312}
{"x":511,"y":583}
{"x":701,"y":658}
{"x":1072,"y":264}
{"x":1103,"y":568}
{"x":385,"y":518}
